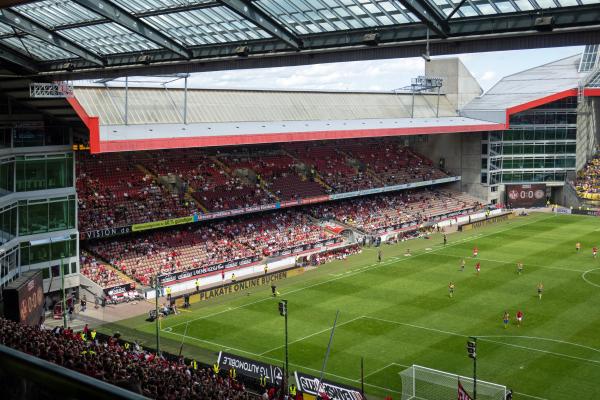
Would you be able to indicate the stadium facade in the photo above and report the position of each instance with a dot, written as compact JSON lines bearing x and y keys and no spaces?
{"x":536,"y":126}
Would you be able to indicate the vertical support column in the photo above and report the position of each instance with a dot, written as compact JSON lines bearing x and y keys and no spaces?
{"x":185,"y":94}
{"x":437,"y":108}
{"x":126,"y":98}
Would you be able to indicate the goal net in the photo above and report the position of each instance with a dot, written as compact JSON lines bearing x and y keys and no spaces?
{"x":421,"y":383}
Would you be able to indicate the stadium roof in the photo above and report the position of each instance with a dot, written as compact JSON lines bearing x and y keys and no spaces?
{"x":157,"y":119}
{"x":532,"y":88}
{"x":100,"y":38}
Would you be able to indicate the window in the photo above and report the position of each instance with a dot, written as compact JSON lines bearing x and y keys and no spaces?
{"x":40,"y":136}
{"x":7,"y":176}
{"x":44,"y":172}
{"x":8,"y":223}
{"x":53,"y":250}
{"x":47,"y":215}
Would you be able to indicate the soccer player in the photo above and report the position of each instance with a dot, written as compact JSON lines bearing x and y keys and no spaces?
{"x":577,"y":246}
{"x":462,"y":265}
{"x":451,"y":289}
{"x":478,"y":267}
{"x":506,"y":319}
{"x":540,"y":290}
{"x":379,"y":255}
{"x":594,"y":251}
{"x":445,"y":239}
{"x":475,"y":252}
{"x":519,"y":317}
{"x":519,"y":268}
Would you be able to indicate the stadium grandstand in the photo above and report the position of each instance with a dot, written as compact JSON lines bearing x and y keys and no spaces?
{"x":148,"y":200}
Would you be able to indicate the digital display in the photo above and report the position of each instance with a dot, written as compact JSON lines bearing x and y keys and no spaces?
{"x":526,"y":195}
{"x":24,"y":299}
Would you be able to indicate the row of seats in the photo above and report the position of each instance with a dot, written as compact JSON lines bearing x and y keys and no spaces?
{"x":124,"y":189}
{"x":262,"y":235}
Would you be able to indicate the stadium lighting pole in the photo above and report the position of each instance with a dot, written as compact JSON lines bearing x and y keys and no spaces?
{"x":283,"y":311}
{"x":62,"y":287}
{"x":474,"y":357}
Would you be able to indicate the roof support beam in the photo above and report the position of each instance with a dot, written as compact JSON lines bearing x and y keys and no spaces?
{"x":455,"y":9}
{"x":427,"y":15}
{"x":122,"y":17}
{"x":252,"y":13}
{"x":12,"y":57}
{"x":18,"y":21}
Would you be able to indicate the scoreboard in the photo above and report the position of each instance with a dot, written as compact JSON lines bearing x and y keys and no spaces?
{"x":526,"y":195}
{"x":24,"y":298}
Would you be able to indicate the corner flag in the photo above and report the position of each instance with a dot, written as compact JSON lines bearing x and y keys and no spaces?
{"x":462,"y":393}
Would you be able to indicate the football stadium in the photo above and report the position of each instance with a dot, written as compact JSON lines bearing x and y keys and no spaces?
{"x":168,"y":239}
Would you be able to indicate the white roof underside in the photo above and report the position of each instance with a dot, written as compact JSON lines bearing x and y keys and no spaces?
{"x":160,"y":106}
{"x":526,"y":86}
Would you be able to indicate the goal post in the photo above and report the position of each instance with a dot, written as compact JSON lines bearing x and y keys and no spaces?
{"x":422,"y":383}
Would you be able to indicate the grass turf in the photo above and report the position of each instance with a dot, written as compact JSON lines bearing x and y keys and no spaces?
{"x":398,"y":312}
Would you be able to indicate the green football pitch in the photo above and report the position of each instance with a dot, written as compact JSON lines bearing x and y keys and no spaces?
{"x":398,"y":312}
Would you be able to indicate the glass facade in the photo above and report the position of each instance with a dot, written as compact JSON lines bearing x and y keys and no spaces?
{"x":539,"y":147}
{"x":9,"y":261}
{"x":49,"y":250}
{"x":38,"y":205}
{"x":44,"y":172}
{"x":46,"y":215}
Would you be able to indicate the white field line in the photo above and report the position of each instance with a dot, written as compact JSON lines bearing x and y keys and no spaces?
{"x":309,"y":336}
{"x":384,"y":368}
{"x":489,"y":340}
{"x":586,"y":279}
{"x":391,"y":261}
{"x":542,"y":338}
{"x":530,"y":396}
{"x":281,"y":361}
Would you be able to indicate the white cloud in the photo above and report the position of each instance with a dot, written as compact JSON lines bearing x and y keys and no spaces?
{"x":386,"y":74}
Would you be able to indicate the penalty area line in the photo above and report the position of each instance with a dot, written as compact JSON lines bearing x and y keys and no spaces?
{"x":281,"y":361}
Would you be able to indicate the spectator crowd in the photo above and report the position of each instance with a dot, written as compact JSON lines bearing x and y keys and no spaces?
{"x":117,"y":190}
{"x":145,"y":255}
{"x":112,"y":361}
{"x":588,"y":180}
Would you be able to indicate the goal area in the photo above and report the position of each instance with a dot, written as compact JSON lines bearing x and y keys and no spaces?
{"x":422,"y":383}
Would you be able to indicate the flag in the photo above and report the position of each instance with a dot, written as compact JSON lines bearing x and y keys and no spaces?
{"x":462,"y":393}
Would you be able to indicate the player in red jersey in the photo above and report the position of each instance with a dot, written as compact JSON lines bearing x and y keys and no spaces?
{"x":478,"y":267}
{"x":594,"y":251}
{"x":519,"y":317}
{"x":475,"y":251}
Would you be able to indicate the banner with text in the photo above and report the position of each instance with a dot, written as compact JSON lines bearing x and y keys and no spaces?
{"x":305,"y":247}
{"x":250,"y":368}
{"x":108,"y":232}
{"x":116,"y":290}
{"x":176,"y":276}
{"x":310,"y":385}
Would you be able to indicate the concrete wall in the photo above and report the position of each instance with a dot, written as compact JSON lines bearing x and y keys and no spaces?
{"x":462,"y":155}
{"x":588,"y":130}
{"x":460,"y":86}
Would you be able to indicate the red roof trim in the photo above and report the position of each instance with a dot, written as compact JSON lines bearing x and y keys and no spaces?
{"x":590,"y":92}
{"x":92,"y":123}
{"x":233,"y":140}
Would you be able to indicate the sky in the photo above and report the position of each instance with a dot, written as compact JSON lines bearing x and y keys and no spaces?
{"x":378,"y":75}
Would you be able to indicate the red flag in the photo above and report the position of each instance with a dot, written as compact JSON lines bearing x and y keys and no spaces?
{"x":462,"y":393}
